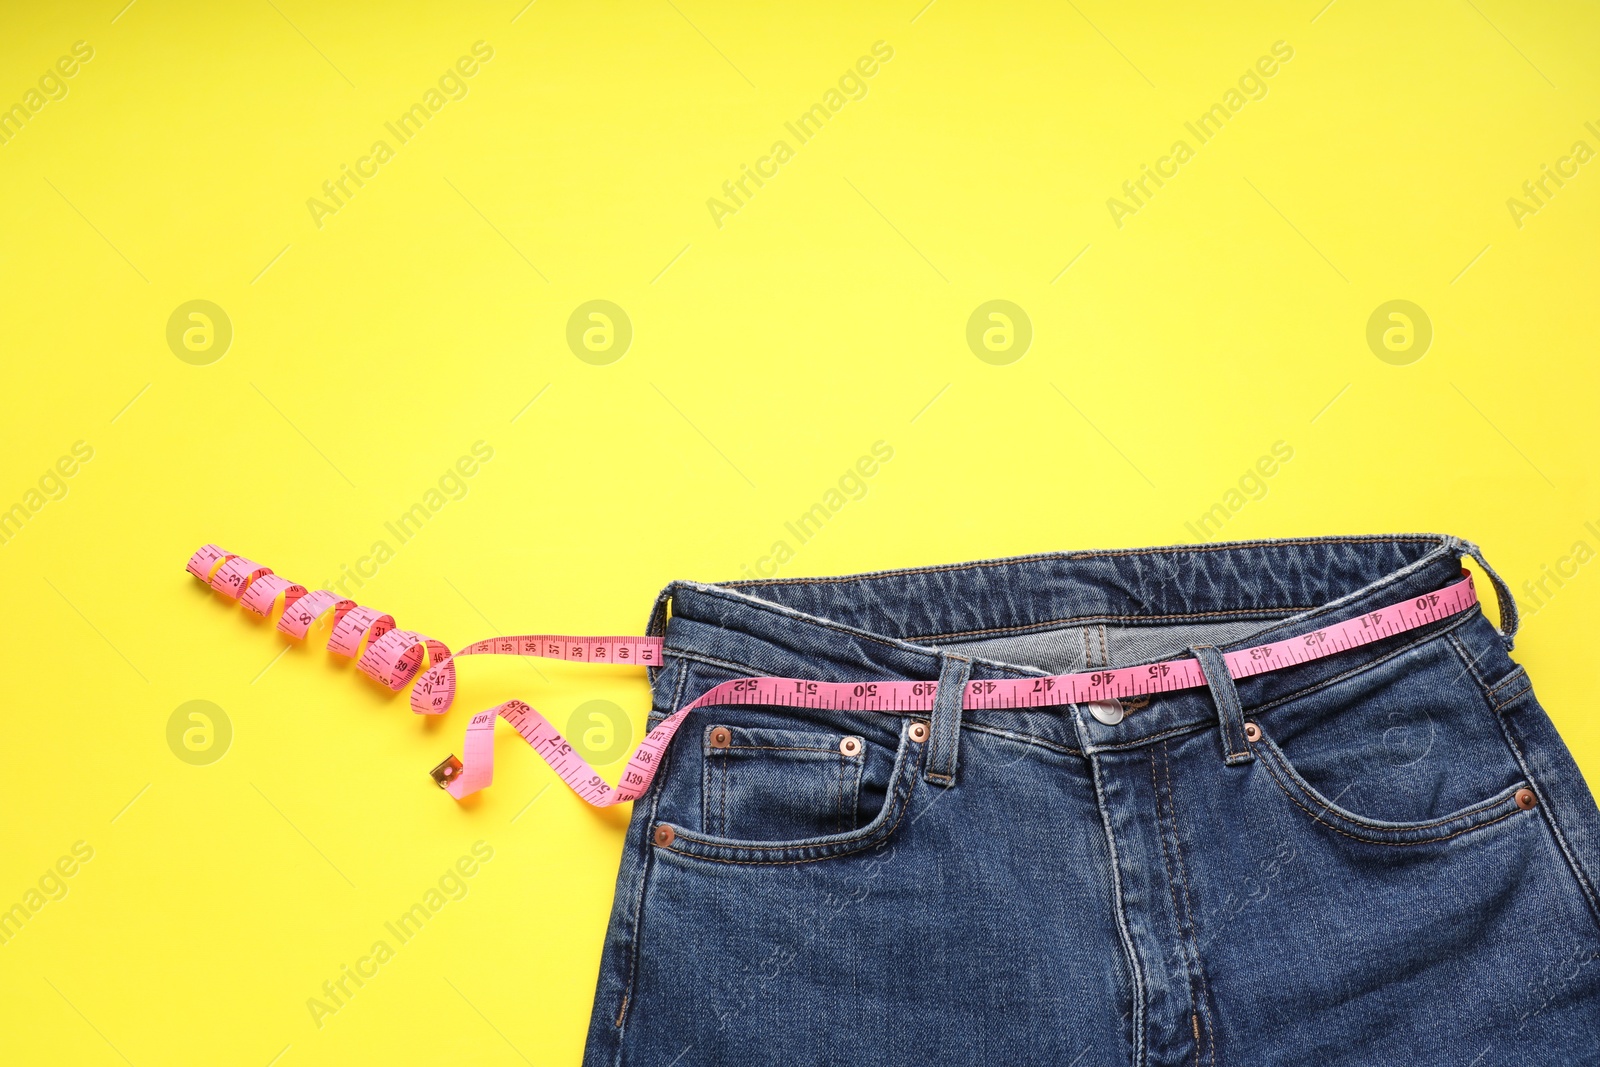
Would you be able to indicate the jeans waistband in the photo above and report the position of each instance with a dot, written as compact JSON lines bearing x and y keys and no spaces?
{"x":901,"y":624}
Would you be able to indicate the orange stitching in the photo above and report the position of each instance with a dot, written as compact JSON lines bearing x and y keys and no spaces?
{"x":1172,"y":890}
{"x":1305,"y":788}
{"x":722,"y":820}
{"x":645,"y":861}
{"x":1152,"y":550}
{"x":899,"y":644}
{"x":839,"y":807}
{"x":1226,"y":697}
{"x":1518,"y":674}
{"x":866,"y":843}
{"x":1374,"y":840}
{"x":1447,"y":631}
{"x":1513,"y":676}
{"x":1192,"y":728}
{"x":1031,"y":740}
{"x":1188,"y":907}
{"x":1104,"y":618}
{"x":1231,"y":545}
{"x":1469,"y":664}
{"x":904,"y":791}
{"x":1573,"y":863}
{"x":1513,"y":698}
{"x":779,"y":748}
{"x":1517,"y":691}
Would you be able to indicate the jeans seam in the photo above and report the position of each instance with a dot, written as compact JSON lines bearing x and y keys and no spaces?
{"x":908,"y":763}
{"x":1102,"y":618}
{"x":1172,"y":888}
{"x":839,"y":818}
{"x":1123,"y":746}
{"x":1022,"y":739}
{"x":855,"y":796}
{"x":1470,"y":665}
{"x":644,"y":874}
{"x":1364,"y":667}
{"x":1587,"y":887}
{"x":1368,"y":840}
{"x":1272,"y":750}
{"x":1172,"y":891}
{"x":1135,"y":970}
{"x":722,"y":816}
{"x":1188,"y":906}
{"x":747,"y":669}
{"x":1502,"y":705}
{"x":1440,"y":539}
{"x":713,"y":661}
{"x":832,"y":751}
{"x":899,"y":644}
{"x":1516,"y":674}
{"x":865,"y":843}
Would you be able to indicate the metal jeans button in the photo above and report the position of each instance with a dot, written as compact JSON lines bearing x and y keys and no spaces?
{"x":1109,"y":712}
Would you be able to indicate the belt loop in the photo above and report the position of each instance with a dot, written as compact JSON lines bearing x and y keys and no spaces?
{"x":944,"y":733}
{"x":657,"y":626}
{"x":1234,"y":749}
{"x":1509,"y":619}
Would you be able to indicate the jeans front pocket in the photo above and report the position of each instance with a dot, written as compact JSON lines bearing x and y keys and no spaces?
{"x":887,"y":781}
{"x":1404,"y":743}
{"x":1509,"y":802}
{"x":764,"y":784}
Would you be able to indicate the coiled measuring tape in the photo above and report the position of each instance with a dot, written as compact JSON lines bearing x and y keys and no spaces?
{"x":394,"y":657}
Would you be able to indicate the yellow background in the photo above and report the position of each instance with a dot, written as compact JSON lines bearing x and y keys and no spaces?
{"x":768,"y":353}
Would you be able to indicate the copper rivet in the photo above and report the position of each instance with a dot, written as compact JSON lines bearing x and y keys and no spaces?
{"x":1526,"y":800}
{"x":919,"y":731}
{"x":721,"y":737}
{"x":850,"y":746}
{"x":664,"y":835}
{"x":1252,"y":732}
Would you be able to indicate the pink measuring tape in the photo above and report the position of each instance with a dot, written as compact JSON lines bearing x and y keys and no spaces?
{"x":394,"y":657}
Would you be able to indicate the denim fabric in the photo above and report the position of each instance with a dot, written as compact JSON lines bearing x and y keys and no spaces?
{"x":1327,"y":864}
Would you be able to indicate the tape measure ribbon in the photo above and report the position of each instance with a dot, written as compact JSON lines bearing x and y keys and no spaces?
{"x":394,"y":657}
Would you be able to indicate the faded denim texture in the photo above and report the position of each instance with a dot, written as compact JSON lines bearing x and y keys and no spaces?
{"x":1328,"y":864}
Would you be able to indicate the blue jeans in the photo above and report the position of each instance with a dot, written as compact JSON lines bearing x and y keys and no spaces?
{"x":1386,"y":856}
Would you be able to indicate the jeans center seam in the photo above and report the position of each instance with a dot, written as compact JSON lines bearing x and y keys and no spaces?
{"x":1182,"y":952}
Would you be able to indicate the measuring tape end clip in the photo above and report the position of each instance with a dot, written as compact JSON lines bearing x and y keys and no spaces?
{"x":446,"y":772}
